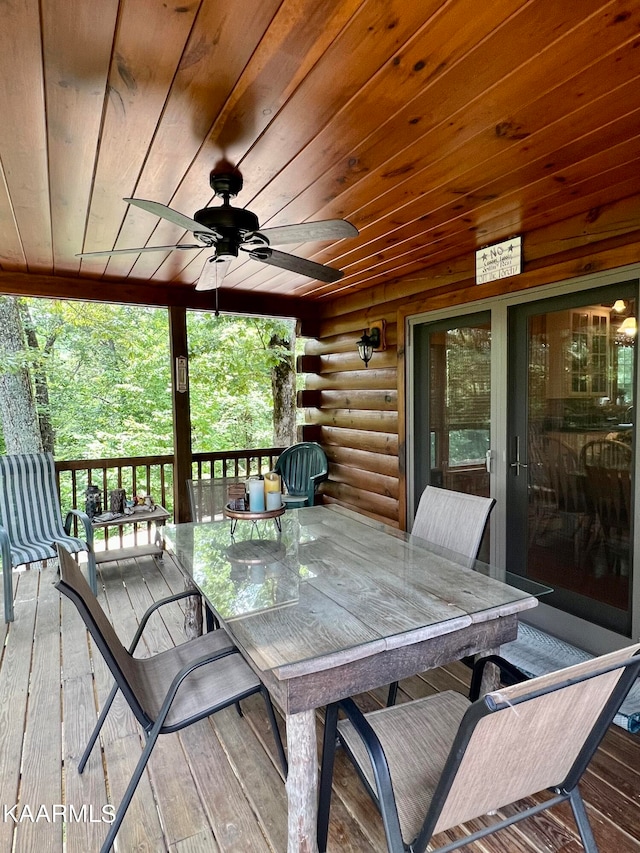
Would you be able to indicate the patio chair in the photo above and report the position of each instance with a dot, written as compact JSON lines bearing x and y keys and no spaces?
{"x":31,"y":521}
{"x":207,"y":497}
{"x":452,"y":520}
{"x":302,"y":468}
{"x":441,"y":761}
{"x":607,"y":465}
{"x":168,"y":691}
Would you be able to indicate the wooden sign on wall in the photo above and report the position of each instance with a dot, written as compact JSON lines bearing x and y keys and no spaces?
{"x":499,"y":261}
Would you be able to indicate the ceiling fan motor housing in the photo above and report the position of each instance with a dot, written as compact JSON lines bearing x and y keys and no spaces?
{"x":231,"y":223}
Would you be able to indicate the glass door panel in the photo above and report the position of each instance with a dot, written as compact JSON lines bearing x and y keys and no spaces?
{"x":572,"y":378}
{"x":453,"y":406}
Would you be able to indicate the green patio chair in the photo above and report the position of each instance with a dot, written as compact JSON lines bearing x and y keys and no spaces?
{"x":31,"y":521}
{"x":302,"y":467}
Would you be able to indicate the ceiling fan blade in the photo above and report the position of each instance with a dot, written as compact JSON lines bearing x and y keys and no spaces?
{"x":213,"y":272}
{"x":141,"y":249}
{"x":326,"y":229}
{"x":295,"y":264}
{"x":174,"y":216}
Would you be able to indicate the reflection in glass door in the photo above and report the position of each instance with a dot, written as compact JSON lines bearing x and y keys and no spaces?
{"x":571,"y":411}
{"x":453,"y":406}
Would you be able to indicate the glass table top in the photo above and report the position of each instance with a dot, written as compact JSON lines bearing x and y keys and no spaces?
{"x":332,"y":582}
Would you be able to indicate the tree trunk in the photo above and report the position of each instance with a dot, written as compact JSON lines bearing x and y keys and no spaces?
{"x":17,"y":404}
{"x":39,"y":377}
{"x":283,"y":386}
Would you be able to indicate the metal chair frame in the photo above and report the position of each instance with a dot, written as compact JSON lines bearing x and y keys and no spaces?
{"x":79,"y":593}
{"x":565,"y":790}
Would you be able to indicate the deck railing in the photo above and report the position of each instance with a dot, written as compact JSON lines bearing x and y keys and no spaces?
{"x":152,"y":475}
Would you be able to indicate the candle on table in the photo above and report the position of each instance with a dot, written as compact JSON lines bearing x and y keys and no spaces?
{"x":272,"y":494}
{"x":256,"y":496}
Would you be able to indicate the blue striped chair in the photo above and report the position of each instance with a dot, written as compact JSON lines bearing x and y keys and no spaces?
{"x":31,"y":521}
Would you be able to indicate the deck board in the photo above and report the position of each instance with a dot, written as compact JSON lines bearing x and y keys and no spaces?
{"x":216,"y":787}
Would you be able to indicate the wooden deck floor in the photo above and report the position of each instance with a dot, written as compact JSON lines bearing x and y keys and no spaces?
{"x":215,"y":786}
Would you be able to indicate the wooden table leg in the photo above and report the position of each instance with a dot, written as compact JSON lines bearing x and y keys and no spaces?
{"x":302,"y":782}
{"x":491,"y":674}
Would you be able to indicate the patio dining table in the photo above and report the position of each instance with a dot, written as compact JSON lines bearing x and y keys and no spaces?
{"x":335,"y":604}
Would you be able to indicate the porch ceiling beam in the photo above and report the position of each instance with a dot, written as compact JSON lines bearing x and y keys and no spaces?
{"x":232,"y":301}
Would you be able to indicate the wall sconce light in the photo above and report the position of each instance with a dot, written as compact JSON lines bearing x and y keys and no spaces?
{"x":372,"y":338}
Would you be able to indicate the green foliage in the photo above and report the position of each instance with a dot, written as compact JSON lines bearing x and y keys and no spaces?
{"x":109,"y":376}
{"x":230,"y":380}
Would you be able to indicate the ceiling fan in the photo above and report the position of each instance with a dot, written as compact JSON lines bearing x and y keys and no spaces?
{"x":229,"y":230}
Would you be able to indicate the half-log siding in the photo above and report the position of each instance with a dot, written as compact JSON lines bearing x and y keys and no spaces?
{"x":353,"y":412}
{"x":357,"y":413}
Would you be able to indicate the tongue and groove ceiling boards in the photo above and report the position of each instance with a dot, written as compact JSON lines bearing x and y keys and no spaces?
{"x":434,"y":127}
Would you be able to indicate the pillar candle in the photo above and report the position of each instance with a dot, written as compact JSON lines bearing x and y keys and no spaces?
{"x":256,"y":496}
{"x":272,"y":482}
{"x":274,"y":500}
{"x":272,"y":496}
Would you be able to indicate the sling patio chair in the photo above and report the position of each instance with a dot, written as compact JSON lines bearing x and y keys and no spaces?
{"x":31,"y":520}
{"x":438,"y":762}
{"x":302,"y":467}
{"x":209,"y":496}
{"x":168,"y":691}
{"x":452,"y":520}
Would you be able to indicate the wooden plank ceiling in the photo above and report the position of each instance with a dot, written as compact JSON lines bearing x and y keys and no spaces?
{"x":435,"y":127}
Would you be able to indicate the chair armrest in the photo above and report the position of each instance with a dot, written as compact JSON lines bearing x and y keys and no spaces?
{"x":86,"y":523}
{"x":5,"y":549}
{"x":314,"y":481}
{"x":185,"y":593}
{"x":379,"y":765}
{"x":7,"y":577}
{"x":186,"y":670}
{"x":509,"y":674}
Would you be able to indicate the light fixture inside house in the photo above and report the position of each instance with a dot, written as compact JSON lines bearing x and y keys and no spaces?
{"x":629,"y":327}
{"x":619,"y":306}
{"x":372,"y":338}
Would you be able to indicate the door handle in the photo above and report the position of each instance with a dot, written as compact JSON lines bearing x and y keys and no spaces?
{"x":517,"y":464}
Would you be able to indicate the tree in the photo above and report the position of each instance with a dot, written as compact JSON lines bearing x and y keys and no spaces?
{"x":99,"y":378}
{"x":283,"y":386}
{"x":20,"y":425}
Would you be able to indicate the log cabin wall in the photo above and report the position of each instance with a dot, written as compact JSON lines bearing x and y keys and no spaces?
{"x":357,"y":413}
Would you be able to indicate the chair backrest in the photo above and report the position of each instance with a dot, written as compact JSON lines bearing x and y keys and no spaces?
{"x":301,"y":466}
{"x":207,"y":497}
{"x":607,"y":453}
{"x":563,"y":468}
{"x":452,"y":520}
{"x":73,"y":584}
{"x":533,"y":736}
{"x":29,"y":502}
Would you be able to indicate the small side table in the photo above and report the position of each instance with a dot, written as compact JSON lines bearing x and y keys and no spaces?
{"x":157,"y":516}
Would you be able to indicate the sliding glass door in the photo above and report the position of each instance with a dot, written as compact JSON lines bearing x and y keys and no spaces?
{"x":572,"y":367}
